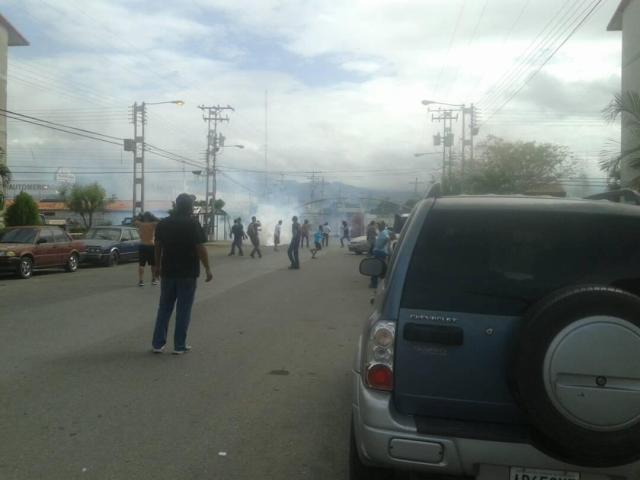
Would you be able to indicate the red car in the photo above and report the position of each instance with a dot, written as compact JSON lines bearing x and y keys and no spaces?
{"x":25,"y":249}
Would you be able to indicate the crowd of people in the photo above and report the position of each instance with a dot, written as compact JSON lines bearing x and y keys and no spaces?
{"x":301,"y":235}
{"x":174,"y":249}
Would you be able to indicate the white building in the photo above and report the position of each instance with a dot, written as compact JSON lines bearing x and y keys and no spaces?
{"x":627,"y":20}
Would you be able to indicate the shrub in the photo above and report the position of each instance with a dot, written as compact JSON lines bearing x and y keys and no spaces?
{"x":23,"y":211}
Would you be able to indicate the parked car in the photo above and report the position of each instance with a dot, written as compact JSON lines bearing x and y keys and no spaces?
{"x":127,"y":221}
{"x":112,"y":245}
{"x":25,"y":249}
{"x":359,"y":245}
{"x":504,"y":344}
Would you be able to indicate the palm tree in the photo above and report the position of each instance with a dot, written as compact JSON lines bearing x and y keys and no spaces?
{"x":628,"y":105}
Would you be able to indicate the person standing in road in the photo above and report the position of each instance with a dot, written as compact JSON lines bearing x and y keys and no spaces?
{"x":276,"y":235}
{"x":253,"y":231}
{"x":326,"y":231}
{"x":179,"y":250}
{"x":317,"y":240}
{"x":381,"y":248}
{"x":237,"y":233}
{"x":146,"y":250}
{"x":345,"y":233}
{"x":305,"y":229}
{"x":372,"y":233}
{"x":294,"y":245}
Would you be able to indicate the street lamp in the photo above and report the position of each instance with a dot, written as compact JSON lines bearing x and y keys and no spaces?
{"x":433,"y":102}
{"x":176,"y":102}
{"x":137,"y":146}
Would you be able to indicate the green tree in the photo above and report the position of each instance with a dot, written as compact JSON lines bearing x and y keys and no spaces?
{"x":23,"y":211}
{"x":628,"y":105}
{"x":86,"y":200}
{"x":218,"y":205}
{"x":512,"y":168}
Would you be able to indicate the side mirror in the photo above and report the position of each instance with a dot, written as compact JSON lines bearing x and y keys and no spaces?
{"x":373,"y":267}
{"x":41,"y":240}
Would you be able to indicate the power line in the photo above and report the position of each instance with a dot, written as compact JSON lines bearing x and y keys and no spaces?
{"x":445,"y":63}
{"x":61,"y":130}
{"x":571,"y":33}
{"x":61,"y":125}
{"x":560,"y":19}
{"x":544,"y":41}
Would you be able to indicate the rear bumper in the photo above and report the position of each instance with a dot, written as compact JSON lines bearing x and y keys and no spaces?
{"x":386,"y":438}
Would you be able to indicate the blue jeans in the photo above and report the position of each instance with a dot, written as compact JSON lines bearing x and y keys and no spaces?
{"x":174,"y":290}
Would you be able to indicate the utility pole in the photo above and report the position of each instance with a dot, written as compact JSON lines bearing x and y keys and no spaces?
{"x":212,"y":115}
{"x":266,"y":144}
{"x":136,"y":145}
{"x":474,"y":131}
{"x":467,"y":143}
{"x":446,"y":116}
{"x":415,"y":184}
{"x":314,"y":184}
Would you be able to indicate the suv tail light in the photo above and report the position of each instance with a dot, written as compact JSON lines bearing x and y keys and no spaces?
{"x":377,"y":365}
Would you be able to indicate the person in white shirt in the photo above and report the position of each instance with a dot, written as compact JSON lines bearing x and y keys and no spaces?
{"x":276,"y":236}
{"x":326,"y":232}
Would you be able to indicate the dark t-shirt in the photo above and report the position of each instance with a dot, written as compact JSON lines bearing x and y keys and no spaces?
{"x":179,"y":237}
{"x":295,"y":230}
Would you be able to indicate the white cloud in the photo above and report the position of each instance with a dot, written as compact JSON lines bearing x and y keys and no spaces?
{"x":106,"y":55}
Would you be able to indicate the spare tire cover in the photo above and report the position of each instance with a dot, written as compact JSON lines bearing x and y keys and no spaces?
{"x":577,"y":375}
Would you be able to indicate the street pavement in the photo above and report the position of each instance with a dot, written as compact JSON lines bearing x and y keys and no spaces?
{"x":265,"y":393}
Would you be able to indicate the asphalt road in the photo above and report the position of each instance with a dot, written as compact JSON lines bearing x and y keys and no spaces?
{"x":265,"y":393}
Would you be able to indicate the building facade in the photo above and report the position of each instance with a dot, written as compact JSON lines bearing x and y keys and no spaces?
{"x":9,"y":37}
{"x":627,"y":20}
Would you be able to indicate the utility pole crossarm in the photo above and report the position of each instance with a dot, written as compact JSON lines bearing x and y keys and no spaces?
{"x":212,"y":115}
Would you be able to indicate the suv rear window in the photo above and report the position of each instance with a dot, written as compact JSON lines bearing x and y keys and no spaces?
{"x":500,"y":262}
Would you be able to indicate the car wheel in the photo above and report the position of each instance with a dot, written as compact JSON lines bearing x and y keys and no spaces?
{"x":72,"y":263}
{"x":25,"y":268}
{"x":576,"y":375}
{"x":114,"y":259}
{"x":360,"y":471}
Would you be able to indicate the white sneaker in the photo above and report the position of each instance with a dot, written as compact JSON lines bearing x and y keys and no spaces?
{"x":182,"y":352}
{"x":158,"y":350}
{"x":155,"y":282}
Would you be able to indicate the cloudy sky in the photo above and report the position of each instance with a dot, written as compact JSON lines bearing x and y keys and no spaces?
{"x":344,"y":80}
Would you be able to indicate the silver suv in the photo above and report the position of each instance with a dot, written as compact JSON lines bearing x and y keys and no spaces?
{"x":504,"y":344}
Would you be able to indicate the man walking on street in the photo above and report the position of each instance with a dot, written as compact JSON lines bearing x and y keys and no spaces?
{"x":276,"y":235}
{"x":305,"y":229}
{"x":381,"y":248}
{"x":237,"y":233}
{"x":253,"y":231}
{"x":326,"y":231}
{"x":294,"y":245}
{"x":345,"y":233}
{"x":372,"y":233}
{"x":146,"y":250}
{"x":179,"y":250}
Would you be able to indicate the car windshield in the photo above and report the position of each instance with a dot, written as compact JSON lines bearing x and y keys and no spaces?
{"x":112,"y":234}
{"x":19,"y":235}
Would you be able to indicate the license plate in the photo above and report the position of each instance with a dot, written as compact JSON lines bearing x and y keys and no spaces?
{"x":518,"y":473}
